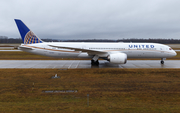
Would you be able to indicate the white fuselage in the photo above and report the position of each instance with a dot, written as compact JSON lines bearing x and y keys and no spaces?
{"x":132,"y":50}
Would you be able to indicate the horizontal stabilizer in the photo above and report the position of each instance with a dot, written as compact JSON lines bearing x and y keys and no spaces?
{"x":23,"y":47}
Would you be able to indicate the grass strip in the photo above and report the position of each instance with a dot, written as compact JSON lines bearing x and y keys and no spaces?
{"x":110,"y":90}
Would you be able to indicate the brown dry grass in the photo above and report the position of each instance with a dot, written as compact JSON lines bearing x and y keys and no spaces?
{"x":110,"y":90}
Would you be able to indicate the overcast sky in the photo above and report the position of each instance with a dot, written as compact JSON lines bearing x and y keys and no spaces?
{"x":92,"y":19}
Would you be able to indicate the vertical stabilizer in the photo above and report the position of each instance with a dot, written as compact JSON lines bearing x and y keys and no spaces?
{"x":27,"y":35}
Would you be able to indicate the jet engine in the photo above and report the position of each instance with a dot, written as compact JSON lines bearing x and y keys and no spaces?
{"x":117,"y":58}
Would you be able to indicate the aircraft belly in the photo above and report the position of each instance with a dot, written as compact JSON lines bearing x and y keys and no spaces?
{"x":143,"y":54}
{"x":54,"y":53}
{"x":63,"y":54}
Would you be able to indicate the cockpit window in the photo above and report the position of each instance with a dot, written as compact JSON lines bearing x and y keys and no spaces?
{"x":170,"y":49}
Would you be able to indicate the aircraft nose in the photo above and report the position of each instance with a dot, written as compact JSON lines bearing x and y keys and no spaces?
{"x":172,"y":53}
{"x":175,"y":53}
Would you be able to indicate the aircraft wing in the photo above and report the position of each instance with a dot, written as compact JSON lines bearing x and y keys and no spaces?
{"x":90,"y":51}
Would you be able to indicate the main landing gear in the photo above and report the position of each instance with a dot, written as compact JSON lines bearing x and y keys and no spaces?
{"x":162,"y":60}
{"x":96,"y":63}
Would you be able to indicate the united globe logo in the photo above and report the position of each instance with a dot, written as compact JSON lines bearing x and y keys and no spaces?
{"x":31,"y":38}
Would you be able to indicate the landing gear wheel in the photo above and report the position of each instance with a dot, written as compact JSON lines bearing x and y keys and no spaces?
{"x":162,"y":62}
{"x":94,"y":62}
{"x":97,"y":62}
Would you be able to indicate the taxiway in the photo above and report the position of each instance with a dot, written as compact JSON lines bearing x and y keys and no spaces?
{"x":72,"y":64}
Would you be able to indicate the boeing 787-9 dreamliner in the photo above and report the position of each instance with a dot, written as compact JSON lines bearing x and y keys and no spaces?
{"x":117,"y":53}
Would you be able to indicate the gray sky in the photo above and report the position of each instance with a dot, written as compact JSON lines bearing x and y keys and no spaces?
{"x":92,"y":19}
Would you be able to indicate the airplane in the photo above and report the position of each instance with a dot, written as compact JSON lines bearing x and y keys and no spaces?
{"x":116,"y":53}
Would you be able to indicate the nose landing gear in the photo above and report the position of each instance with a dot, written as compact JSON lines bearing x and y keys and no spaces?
{"x":162,"y":60}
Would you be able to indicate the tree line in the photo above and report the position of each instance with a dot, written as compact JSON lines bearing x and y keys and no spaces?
{"x":163,"y":41}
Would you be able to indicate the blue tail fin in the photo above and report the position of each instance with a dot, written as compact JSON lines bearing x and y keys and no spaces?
{"x":27,"y":35}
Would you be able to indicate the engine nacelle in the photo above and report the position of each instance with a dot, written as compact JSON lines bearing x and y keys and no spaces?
{"x":117,"y":58}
